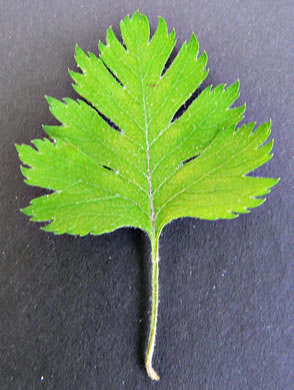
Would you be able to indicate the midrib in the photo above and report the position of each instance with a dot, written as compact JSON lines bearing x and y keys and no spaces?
{"x":152,"y":216}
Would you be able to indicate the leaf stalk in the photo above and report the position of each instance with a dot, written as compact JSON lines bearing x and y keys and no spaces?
{"x":154,"y":312}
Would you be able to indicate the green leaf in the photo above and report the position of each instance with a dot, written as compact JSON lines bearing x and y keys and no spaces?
{"x":122,"y":157}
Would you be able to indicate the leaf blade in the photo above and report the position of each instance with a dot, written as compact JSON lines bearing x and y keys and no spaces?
{"x":120,"y":152}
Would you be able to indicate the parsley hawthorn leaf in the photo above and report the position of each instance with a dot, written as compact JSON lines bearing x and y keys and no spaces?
{"x":121,"y":156}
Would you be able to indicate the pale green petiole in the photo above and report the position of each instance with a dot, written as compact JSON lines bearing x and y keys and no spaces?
{"x":153,"y":323}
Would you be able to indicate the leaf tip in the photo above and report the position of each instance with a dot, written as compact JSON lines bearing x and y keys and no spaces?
{"x":275,"y":181}
{"x":124,"y":21}
{"x":162,"y":25}
{"x":50,"y":100}
{"x":236,"y":85}
{"x":161,"y":21}
{"x":173,"y":34}
{"x":75,"y":76}
{"x":27,"y":211}
{"x":194,"y":44}
{"x":194,"y":38}
{"x":78,"y":50}
{"x":17,"y":147}
{"x":109,"y":35}
{"x":136,"y":14}
{"x":202,"y":60}
{"x":205,"y":56}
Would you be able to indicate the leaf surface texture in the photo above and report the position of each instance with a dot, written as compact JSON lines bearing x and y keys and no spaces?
{"x":121,"y":155}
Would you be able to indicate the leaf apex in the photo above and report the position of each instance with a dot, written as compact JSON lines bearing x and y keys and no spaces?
{"x":27,"y":210}
{"x":101,"y":46}
{"x":161,"y":19}
{"x":78,"y":50}
{"x":74,"y":75}
{"x":50,"y":100}
{"x":275,"y":181}
{"x":47,"y":229}
{"x":162,"y":24}
{"x":126,"y":19}
{"x":194,"y":37}
{"x":193,"y":42}
{"x":236,"y":84}
{"x":204,"y":59}
{"x":109,"y":35}
{"x":173,"y":34}
{"x":136,"y":13}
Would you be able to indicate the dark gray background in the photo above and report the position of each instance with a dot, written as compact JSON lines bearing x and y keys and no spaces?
{"x":74,"y":310}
